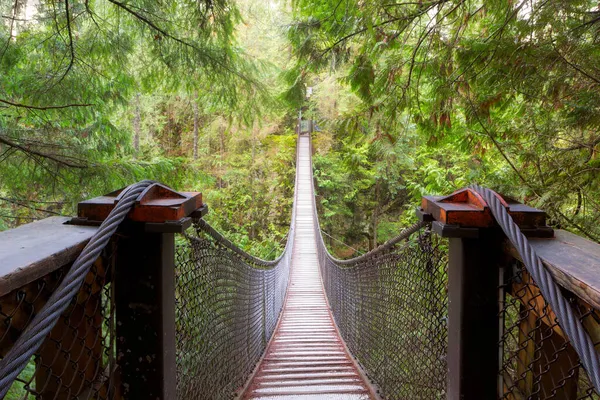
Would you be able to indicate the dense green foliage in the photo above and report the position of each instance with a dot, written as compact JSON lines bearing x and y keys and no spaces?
{"x":412,"y":98}
{"x":97,"y":94}
{"x":440,"y":94}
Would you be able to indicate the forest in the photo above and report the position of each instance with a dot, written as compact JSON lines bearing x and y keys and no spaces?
{"x":410,"y":98}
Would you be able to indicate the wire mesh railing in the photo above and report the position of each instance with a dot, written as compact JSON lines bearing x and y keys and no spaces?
{"x":538,"y":358}
{"x":391,"y":306}
{"x":548,"y":335}
{"x":391,"y":309}
{"x":78,"y":358}
{"x":228,"y":303}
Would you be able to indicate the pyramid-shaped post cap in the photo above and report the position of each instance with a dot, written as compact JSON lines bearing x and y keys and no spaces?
{"x":466,"y":208}
{"x":157,"y":204}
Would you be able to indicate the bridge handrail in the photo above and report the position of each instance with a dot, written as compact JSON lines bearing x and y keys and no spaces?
{"x":34,"y":333}
{"x":34,"y":250}
{"x":544,"y":279}
{"x":382,"y":248}
{"x":222,"y":240}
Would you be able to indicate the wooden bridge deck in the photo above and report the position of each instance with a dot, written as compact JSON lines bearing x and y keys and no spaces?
{"x":306,"y":358}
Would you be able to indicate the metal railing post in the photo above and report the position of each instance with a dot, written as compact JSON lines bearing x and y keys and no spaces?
{"x":475,"y":276}
{"x":144,"y":287}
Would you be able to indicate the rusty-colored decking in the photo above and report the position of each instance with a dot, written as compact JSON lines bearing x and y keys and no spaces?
{"x":306,"y":358}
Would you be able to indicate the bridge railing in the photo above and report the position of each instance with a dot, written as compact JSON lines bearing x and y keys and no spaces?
{"x":538,"y":358}
{"x":523,"y":309}
{"x":228,"y":304}
{"x":88,"y":304}
{"x":131,"y":302}
{"x":391,"y":308}
{"x":450,"y":307}
{"x":77,"y":357}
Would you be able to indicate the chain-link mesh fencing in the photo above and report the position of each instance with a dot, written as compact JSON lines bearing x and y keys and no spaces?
{"x":228,"y":303}
{"x":391,"y":309}
{"x":227,"y":307}
{"x":538,"y":359}
{"x":77,"y":359}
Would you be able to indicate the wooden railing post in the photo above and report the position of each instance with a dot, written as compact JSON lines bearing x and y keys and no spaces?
{"x":144,"y":287}
{"x":473,"y":281}
{"x":475,"y":269}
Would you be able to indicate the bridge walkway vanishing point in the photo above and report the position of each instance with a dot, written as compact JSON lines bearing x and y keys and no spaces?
{"x":460,"y":305}
{"x":306,"y":358}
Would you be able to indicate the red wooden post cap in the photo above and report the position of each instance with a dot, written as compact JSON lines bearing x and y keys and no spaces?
{"x":157,"y":204}
{"x":466,"y":208}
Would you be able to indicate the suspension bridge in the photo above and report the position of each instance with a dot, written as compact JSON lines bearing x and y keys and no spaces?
{"x":139,"y":298}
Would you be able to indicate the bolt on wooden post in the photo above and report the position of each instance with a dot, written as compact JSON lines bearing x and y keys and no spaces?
{"x":476,"y":262}
{"x":144,"y":286}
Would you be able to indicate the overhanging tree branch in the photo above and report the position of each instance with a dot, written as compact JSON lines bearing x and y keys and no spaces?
{"x":20,"y":204}
{"x":20,"y":105}
{"x":183,"y":42}
{"x":33,"y":152}
{"x":71,"y":47}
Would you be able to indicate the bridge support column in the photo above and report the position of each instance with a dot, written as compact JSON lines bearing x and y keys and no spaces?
{"x":143,"y":287}
{"x":145,"y":313}
{"x":475,"y":275}
{"x":473,"y":334}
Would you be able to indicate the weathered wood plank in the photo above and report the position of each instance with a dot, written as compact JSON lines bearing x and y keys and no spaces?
{"x":34,"y":250}
{"x":573,"y":261}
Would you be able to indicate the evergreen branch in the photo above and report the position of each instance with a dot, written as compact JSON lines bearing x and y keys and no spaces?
{"x":12,"y":22}
{"x":590,"y":22}
{"x":12,"y":201}
{"x":574,"y":66}
{"x":497,"y":145}
{"x":183,"y":42}
{"x":43,"y":108}
{"x":35,"y":154}
{"x":579,"y":227}
{"x":17,"y":217}
{"x":580,"y":146}
{"x":356,"y":33}
{"x":71,"y":47}
{"x":411,"y":17}
{"x":12,"y":18}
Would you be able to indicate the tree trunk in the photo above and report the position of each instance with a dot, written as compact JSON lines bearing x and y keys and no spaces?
{"x":137,"y":119}
{"x":252,"y":184}
{"x":374,"y":219}
{"x":195,"y":105}
{"x":221,"y":154}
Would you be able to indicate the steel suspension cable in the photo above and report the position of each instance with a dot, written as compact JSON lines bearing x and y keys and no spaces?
{"x":551,"y":292}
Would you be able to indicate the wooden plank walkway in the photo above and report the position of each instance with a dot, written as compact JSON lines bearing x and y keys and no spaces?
{"x":306,"y":358}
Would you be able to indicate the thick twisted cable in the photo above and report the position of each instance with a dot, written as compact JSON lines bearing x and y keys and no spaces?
{"x":41,"y":325}
{"x":569,"y":322}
